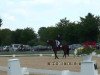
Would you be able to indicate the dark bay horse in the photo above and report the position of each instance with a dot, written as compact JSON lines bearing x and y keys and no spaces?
{"x":64,"y":47}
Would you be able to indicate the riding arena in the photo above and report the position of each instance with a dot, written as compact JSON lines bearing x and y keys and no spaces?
{"x":47,"y":63}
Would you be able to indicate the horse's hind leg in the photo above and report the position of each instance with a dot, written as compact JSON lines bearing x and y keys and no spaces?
{"x":56,"y":56}
{"x":55,"y":52}
{"x":64,"y":55}
{"x":68,"y":53}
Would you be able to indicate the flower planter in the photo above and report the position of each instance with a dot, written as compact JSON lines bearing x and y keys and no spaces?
{"x":87,"y":58}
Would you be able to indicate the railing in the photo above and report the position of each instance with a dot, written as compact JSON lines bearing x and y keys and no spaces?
{"x":44,"y":72}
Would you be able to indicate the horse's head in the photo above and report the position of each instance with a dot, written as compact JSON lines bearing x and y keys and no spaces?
{"x":50,"y":42}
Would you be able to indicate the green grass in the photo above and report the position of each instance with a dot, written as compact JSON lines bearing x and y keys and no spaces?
{"x":36,"y":52}
{"x":98,"y":51}
{"x":29,"y":52}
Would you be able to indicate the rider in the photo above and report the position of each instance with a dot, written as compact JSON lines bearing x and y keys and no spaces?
{"x":58,"y":40}
{"x":57,"y":43}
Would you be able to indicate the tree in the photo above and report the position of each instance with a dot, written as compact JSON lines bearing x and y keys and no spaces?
{"x":6,"y":37}
{"x":90,"y":27}
{"x":71,"y":33}
{"x":0,"y":22}
{"x":16,"y":36}
{"x":49,"y":33}
{"x":61,"y":25}
{"x":27,"y":35}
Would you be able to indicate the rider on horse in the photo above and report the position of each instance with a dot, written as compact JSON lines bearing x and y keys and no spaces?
{"x":57,"y":45}
{"x":58,"y":41}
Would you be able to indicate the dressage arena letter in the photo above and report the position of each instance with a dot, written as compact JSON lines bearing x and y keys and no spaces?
{"x":63,"y":63}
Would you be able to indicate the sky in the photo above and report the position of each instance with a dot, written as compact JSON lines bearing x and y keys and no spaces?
{"x":20,"y":14}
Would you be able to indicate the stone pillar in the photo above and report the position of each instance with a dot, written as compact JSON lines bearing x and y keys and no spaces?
{"x":65,"y":72}
{"x":88,"y":68}
{"x":14,"y":67}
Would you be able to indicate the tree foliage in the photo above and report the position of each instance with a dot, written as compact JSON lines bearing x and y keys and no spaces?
{"x":47,"y":33}
{"x":19,"y":36}
{"x":84,"y":30}
{"x":16,"y":36}
{"x":0,"y":22}
{"x":90,"y":27}
{"x":27,"y":35}
{"x":5,"y":37}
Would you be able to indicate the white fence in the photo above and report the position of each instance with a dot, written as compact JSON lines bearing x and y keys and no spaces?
{"x":87,"y":68}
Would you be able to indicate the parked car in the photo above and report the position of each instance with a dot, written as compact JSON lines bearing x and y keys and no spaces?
{"x":74,"y":46}
{"x":1,"y":48}
{"x":97,"y":46}
{"x":41,"y":48}
{"x":6,"y":48}
{"x":15,"y":47}
{"x":24,"y":48}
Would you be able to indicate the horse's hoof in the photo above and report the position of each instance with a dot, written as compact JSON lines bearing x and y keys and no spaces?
{"x":57,"y":58}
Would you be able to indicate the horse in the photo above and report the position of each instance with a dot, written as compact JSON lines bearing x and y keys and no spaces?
{"x":56,"y":48}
